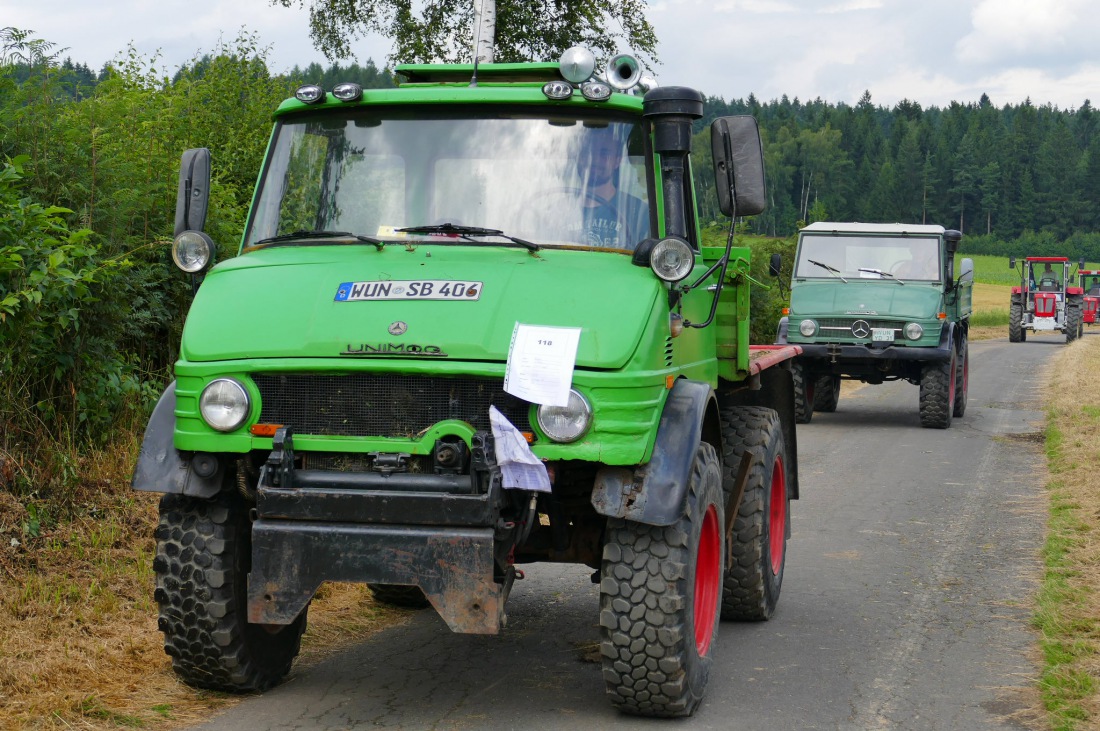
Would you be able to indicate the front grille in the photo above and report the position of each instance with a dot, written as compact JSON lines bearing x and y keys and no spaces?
{"x":382,"y":405}
{"x":836,"y":323}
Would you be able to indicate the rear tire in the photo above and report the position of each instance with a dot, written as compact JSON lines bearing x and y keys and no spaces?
{"x":406,"y":597}
{"x":204,"y":553}
{"x":659,"y":598}
{"x":803,"y":395}
{"x":937,"y":393}
{"x":962,"y":376}
{"x":1015,"y":323}
{"x":750,"y":589}
{"x":827,"y":394}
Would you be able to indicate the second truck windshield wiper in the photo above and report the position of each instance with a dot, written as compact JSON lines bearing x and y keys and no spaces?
{"x":467,"y":232}
{"x":835,"y":272}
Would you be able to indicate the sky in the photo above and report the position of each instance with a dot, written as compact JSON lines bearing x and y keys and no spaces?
{"x":932,"y":52}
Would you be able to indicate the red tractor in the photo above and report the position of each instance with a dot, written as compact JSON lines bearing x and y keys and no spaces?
{"x":1045,"y":301}
{"x":1090,"y":282}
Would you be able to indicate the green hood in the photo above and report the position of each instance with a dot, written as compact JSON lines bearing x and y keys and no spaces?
{"x":281,"y":302}
{"x":834,"y":298}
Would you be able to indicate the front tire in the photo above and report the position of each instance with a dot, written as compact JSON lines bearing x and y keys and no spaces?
{"x":659,"y":596}
{"x":750,"y":589}
{"x":204,"y":554}
{"x":962,"y":376}
{"x":937,"y":393}
{"x":827,"y":394}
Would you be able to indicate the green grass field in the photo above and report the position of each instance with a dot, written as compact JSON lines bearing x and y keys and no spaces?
{"x":994,"y":269}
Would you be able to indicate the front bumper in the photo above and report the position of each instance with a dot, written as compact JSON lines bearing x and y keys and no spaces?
{"x":856,"y":353}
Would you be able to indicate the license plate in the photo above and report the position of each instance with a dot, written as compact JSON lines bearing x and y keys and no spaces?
{"x":880,"y":334}
{"x":416,"y":289}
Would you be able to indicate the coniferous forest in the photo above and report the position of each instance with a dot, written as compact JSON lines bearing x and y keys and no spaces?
{"x":88,"y":173}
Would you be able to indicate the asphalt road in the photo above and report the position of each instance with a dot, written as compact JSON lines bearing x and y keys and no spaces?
{"x":905,"y":605}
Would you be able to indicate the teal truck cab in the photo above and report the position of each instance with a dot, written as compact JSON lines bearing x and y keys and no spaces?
{"x":876,"y":302}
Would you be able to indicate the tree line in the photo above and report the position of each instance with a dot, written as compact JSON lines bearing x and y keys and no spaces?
{"x":1010,"y":178}
{"x":91,"y":308}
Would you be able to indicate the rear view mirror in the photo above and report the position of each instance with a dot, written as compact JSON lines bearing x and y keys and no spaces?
{"x":966,"y":270}
{"x":193,"y":194}
{"x":738,"y":165}
{"x":1011,"y":262}
{"x":776,"y":265}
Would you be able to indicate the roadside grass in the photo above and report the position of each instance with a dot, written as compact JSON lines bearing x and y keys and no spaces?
{"x":1067,"y":613}
{"x":79,"y":644}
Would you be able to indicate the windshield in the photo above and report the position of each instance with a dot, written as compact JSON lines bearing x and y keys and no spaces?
{"x":555,"y":182}
{"x":1046,"y":277}
{"x":868,"y":257}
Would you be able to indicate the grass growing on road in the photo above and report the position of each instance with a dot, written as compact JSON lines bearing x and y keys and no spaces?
{"x":1068,"y":607}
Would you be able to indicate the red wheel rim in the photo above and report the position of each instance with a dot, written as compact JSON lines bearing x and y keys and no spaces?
{"x":708,"y":581}
{"x":777,"y":516}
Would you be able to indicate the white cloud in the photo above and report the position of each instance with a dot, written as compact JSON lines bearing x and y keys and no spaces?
{"x":1006,"y":30}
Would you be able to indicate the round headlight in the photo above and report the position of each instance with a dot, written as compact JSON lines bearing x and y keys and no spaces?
{"x":566,"y":423}
{"x":193,"y":251}
{"x":807,"y":327}
{"x":224,"y":404}
{"x":913,"y":331}
{"x":672,"y":259}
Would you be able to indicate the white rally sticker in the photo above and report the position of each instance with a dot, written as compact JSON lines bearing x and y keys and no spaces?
{"x":415,"y":289}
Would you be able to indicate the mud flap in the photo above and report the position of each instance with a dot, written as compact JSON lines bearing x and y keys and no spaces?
{"x":452,"y":566}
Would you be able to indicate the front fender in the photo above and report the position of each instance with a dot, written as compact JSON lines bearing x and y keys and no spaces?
{"x":163,"y":468}
{"x":654,"y":494}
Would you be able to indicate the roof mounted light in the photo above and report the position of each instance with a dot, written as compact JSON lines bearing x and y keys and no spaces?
{"x":348,"y":91}
{"x":310,"y":94}
{"x":557,"y":90}
{"x":577,"y":64}
{"x":596,"y":91}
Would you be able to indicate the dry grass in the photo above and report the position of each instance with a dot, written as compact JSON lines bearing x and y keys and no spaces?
{"x":1068,"y":615}
{"x":79,"y":645}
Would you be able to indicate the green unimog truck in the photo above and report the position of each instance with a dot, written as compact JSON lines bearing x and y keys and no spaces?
{"x":446,"y":348}
{"x":877,"y":302}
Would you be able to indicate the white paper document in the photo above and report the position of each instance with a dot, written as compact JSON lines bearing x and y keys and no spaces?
{"x":540,"y":363}
{"x":519,"y":467}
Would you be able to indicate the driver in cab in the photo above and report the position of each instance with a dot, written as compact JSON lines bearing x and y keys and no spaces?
{"x":612,"y":219}
{"x":922,"y":264}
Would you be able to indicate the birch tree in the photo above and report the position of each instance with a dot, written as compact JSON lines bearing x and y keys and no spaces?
{"x":441,"y":30}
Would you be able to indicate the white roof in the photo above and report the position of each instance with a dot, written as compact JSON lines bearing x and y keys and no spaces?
{"x":889,"y":229}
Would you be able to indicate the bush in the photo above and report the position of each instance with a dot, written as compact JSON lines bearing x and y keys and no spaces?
{"x":59,"y":371}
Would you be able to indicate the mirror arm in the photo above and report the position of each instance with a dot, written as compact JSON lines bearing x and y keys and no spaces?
{"x":723,"y":263}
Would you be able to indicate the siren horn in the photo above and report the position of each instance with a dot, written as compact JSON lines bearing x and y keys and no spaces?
{"x":623,"y":72}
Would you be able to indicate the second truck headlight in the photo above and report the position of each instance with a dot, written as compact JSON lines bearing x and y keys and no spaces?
{"x":566,"y":423}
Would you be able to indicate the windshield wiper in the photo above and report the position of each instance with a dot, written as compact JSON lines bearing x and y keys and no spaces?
{"x":831,"y":270}
{"x":882,"y":274}
{"x":299,"y":235}
{"x":467,"y":232}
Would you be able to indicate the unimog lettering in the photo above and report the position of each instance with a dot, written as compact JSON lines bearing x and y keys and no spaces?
{"x":383,"y":349}
{"x":286,"y":464}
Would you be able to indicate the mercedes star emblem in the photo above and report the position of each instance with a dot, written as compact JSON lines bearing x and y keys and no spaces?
{"x":861,"y":328}
{"x":398,"y":328}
